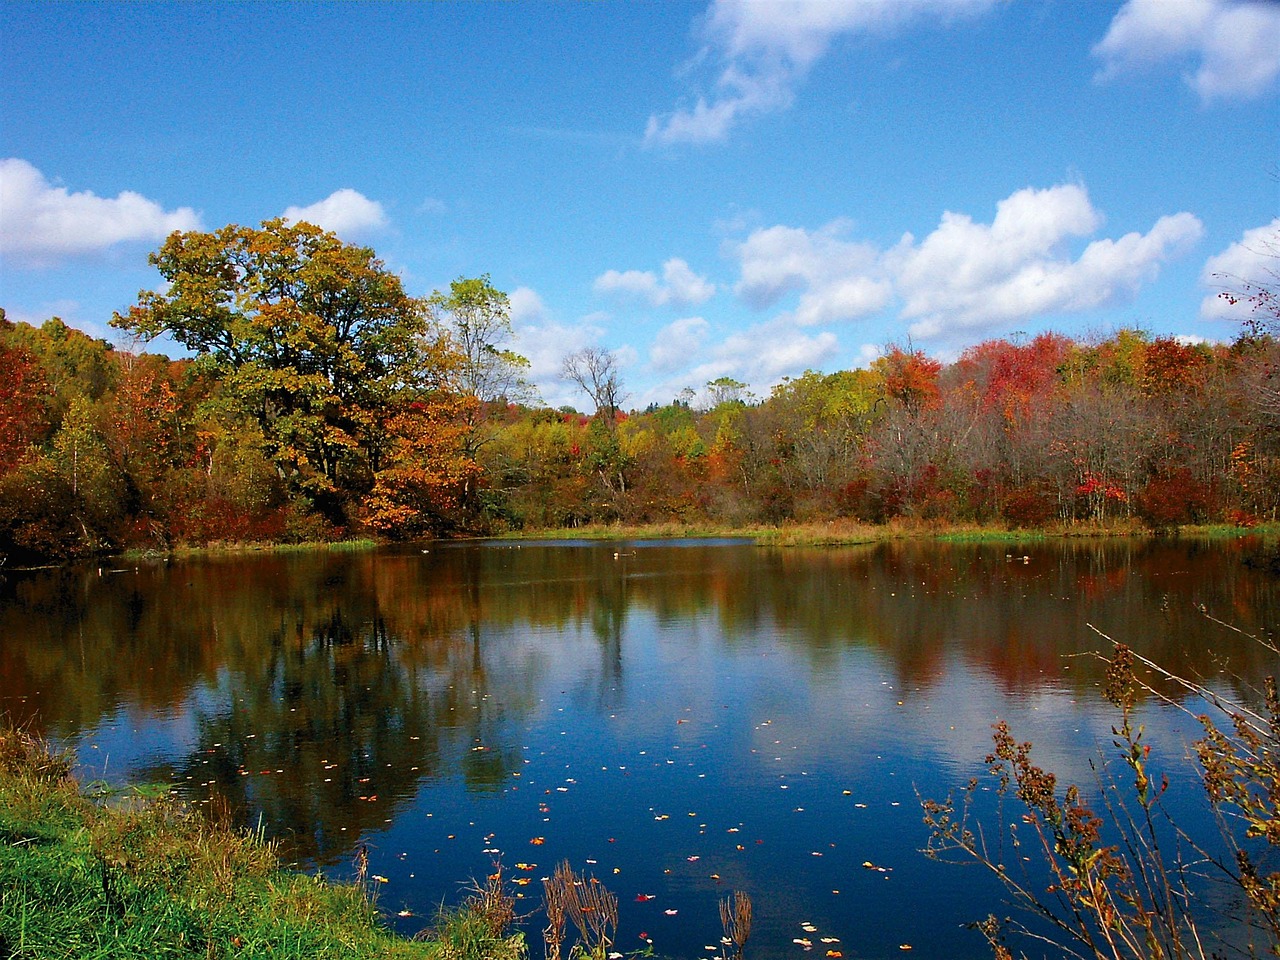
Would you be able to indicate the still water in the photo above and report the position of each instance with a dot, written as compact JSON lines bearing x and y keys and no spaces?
{"x":680,"y":719}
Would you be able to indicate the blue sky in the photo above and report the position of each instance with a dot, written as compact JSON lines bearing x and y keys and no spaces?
{"x":727,"y":189}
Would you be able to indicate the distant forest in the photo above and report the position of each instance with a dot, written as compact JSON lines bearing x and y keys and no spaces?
{"x":320,"y":401}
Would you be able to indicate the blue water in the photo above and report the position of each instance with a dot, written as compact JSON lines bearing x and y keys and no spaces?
{"x":680,"y":719}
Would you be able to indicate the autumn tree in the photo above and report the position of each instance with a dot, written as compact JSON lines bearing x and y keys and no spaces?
{"x":311,"y":338}
{"x":477,"y":318}
{"x":23,"y":395}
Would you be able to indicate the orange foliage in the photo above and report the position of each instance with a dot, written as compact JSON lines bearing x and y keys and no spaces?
{"x":427,"y":470}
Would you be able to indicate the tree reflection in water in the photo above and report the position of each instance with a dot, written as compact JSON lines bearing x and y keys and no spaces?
{"x":319,"y":691}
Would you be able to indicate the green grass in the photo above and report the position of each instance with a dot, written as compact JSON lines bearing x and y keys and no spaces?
{"x":228,"y":548}
{"x":142,"y":877}
{"x":846,"y":532}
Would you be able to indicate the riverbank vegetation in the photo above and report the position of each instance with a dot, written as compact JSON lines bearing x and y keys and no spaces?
{"x":321,"y":402}
{"x":132,"y":876}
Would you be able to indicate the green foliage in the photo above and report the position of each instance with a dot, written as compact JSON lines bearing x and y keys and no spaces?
{"x":309,"y":338}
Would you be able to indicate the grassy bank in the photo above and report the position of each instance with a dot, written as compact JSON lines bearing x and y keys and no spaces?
{"x":233,"y":548}
{"x":133,"y":877}
{"x":790,"y":534}
{"x":852,"y":532}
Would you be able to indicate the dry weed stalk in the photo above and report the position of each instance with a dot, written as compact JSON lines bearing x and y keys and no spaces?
{"x":492,"y":903}
{"x":1132,"y":897}
{"x":735,"y":916}
{"x":587,"y":903}
{"x":553,"y":896}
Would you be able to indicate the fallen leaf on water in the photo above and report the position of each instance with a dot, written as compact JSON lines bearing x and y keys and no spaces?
{"x":380,"y":878}
{"x":834,"y":953}
{"x":645,"y":897}
{"x":904,"y":946}
{"x":670,"y":913}
{"x":538,"y":841}
{"x":405,"y":913}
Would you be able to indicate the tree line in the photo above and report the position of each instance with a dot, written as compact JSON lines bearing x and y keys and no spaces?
{"x":322,"y":401}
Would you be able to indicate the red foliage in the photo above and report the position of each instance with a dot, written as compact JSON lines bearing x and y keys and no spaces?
{"x":23,"y":419}
{"x":1029,"y":506}
{"x":1241,"y":518}
{"x":1172,"y":498}
{"x":1172,"y":366}
{"x":911,"y":378}
{"x":1012,"y":377}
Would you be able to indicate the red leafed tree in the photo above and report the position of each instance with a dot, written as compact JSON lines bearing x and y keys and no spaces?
{"x":1173,"y":367}
{"x":1013,"y":377}
{"x":910,"y":378}
{"x":23,"y":417}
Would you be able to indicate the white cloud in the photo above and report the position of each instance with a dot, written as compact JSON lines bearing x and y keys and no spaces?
{"x":968,"y":274}
{"x":346,"y":212}
{"x":545,"y":342}
{"x":766,"y":49}
{"x":1252,"y":261}
{"x":1234,"y":44}
{"x":526,"y":306}
{"x":41,"y":224}
{"x":678,"y":343}
{"x":868,"y":354}
{"x":839,"y":278}
{"x":763,"y":355}
{"x":964,"y":274}
{"x":679,"y":286}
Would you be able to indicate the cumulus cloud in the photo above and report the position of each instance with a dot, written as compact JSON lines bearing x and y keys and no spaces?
{"x":677,"y":343}
{"x":1234,"y":45}
{"x":765,"y":50}
{"x":545,"y":341}
{"x":42,"y":224}
{"x":839,"y":278}
{"x":526,"y":306}
{"x":346,"y":212}
{"x":764,"y":354}
{"x":967,"y":274}
{"x":1252,"y":261}
{"x":964,"y":274}
{"x":679,"y":285}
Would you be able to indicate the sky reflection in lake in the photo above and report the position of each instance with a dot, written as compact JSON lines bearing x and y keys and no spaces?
{"x":680,"y":720}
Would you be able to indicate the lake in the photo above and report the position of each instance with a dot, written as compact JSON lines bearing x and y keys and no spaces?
{"x":680,"y":719}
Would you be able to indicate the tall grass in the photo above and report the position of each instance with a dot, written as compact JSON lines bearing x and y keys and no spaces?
{"x":151,"y":878}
